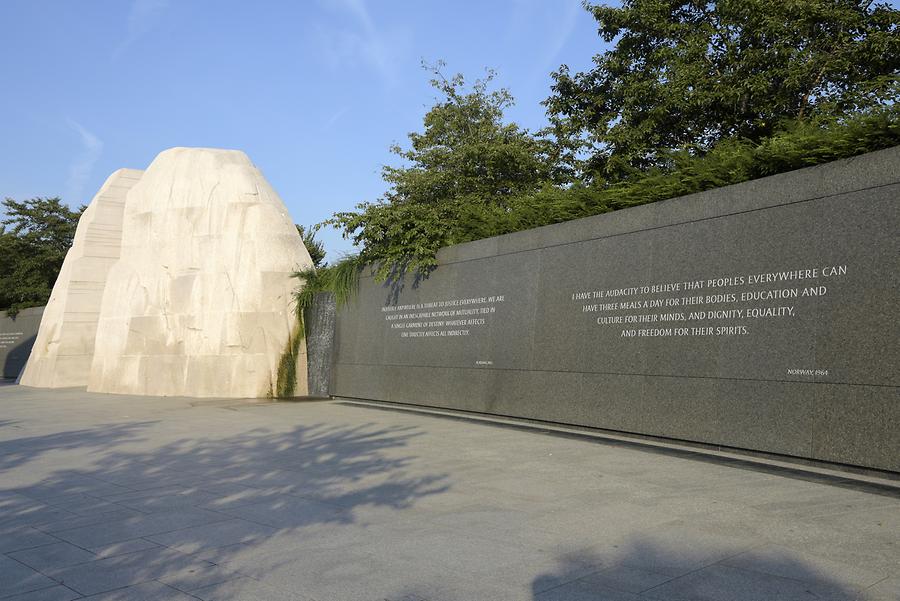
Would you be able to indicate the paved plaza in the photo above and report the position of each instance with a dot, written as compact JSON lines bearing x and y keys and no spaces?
{"x":115,"y":498}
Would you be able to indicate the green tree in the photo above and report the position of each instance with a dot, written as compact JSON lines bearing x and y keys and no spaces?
{"x":466,"y":164}
{"x":685,"y":74}
{"x":34,"y":239}
{"x":315,"y":247}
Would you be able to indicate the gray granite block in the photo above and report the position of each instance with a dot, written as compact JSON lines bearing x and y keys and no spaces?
{"x":91,"y":537}
{"x":147,"y":591}
{"x":72,"y":521}
{"x":290,"y":512}
{"x":209,"y":536}
{"x":176,"y":569}
{"x":788,"y":563}
{"x":17,"y":539}
{"x":82,"y":504}
{"x":18,"y":578}
{"x":723,"y":583}
{"x":194,"y":576}
{"x":629,"y":579}
{"x":128,"y":546}
{"x":54,"y":555}
{"x":886,"y":590}
{"x":34,"y":515}
{"x":73,"y":486}
{"x":153,"y":503}
{"x":52,"y":593}
{"x":247,"y":589}
{"x":584,"y":591}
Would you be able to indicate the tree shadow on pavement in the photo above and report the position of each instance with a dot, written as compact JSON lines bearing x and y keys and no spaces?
{"x":197,"y":511}
{"x":17,"y":451}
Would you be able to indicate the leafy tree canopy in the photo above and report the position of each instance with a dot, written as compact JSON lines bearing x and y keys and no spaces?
{"x":34,"y":239}
{"x":314,"y":246}
{"x":466,"y":161}
{"x":685,"y":74}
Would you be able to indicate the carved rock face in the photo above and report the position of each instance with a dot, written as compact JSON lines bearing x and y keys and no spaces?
{"x":178,"y":284}
{"x":200,"y":301}
{"x":64,"y":347}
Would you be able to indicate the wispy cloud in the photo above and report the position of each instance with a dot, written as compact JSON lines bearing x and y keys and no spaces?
{"x":335,"y":117}
{"x":142,"y":16}
{"x":361,"y":41}
{"x":83,"y":163}
{"x":556,"y":39}
{"x":547,"y":26}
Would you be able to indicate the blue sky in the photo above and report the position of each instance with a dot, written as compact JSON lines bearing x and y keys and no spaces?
{"x":314,"y":92}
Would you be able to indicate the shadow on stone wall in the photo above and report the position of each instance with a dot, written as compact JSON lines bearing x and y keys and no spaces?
{"x":16,"y":357}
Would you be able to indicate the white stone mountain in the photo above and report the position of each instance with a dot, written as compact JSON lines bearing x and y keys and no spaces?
{"x":199,"y":302}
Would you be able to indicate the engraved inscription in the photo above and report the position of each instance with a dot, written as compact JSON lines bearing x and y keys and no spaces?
{"x":722,"y":305}
{"x":9,"y":339}
{"x":447,"y":318}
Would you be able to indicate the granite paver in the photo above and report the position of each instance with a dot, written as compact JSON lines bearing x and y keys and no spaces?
{"x":51,"y":593}
{"x":16,"y":577}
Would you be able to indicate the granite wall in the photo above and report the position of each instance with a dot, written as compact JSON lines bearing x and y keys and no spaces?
{"x":17,"y":335}
{"x":760,"y":316}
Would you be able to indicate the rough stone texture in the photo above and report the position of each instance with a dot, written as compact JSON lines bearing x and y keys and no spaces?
{"x":64,"y":348}
{"x":17,"y":336}
{"x":320,"y":324}
{"x":541,"y":354}
{"x":199,"y":303}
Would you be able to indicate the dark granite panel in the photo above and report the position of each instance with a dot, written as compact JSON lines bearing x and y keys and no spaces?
{"x":479,"y":315}
{"x":683,"y":408}
{"x":559,"y":326}
{"x":856,"y":320}
{"x":857,"y":425}
{"x":362,"y":381}
{"x":345,"y":330}
{"x":17,"y":335}
{"x":543,"y":395}
{"x":774,"y":416}
{"x":614,"y":402}
{"x":455,"y":388}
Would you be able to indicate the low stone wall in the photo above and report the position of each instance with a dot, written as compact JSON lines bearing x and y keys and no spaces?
{"x":760,"y":316}
{"x":17,"y":335}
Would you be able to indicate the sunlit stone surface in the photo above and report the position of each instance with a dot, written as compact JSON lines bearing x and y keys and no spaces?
{"x":64,"y":348}
{"x":200,"y":301}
